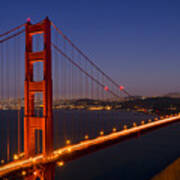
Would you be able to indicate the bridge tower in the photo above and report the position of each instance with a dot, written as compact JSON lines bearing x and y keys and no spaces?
{"x":31,"y":87}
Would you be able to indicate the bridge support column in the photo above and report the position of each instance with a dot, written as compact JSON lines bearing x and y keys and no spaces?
{"x":47,"y":172}
{"x":31,"y":87}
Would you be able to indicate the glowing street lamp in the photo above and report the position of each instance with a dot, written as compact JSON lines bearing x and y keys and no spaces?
{"x":2,"y":161}
{"x":68,"y":142}
{"x":15,"y":157}
{"x":23,"y":173}
{"x":86,"y":137}
{"x":35,"y":173}
{"x":60,"y":163}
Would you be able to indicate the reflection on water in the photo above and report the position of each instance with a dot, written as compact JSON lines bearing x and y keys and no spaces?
{"x":172,"y":172}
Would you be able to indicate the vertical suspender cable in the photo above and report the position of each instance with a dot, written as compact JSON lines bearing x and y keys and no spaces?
{"x":7,"y":90}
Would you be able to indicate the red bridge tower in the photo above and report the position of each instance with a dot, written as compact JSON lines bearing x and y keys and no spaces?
{"x":31,"y":122}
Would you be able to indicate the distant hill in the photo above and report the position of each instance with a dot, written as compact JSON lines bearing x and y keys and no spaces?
{"x":173,"y":95}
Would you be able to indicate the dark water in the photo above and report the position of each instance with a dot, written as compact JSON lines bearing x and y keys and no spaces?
{"x":140,"y":158}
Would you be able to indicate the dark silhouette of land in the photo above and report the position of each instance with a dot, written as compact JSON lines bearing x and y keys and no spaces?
{"x":172,"y":172}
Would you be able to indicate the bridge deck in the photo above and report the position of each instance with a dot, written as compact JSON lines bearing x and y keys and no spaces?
{"x":82,"y":148}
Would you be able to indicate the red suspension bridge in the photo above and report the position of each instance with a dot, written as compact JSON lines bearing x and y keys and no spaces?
{"x":58,"y":75}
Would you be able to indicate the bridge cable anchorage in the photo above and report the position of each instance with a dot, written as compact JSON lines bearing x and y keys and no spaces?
{"x":12,"y":30}
{"x":90,"y":61}
{"x":83,"y":71}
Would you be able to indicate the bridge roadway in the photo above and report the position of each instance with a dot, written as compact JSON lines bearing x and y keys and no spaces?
{"x":73,"y":151}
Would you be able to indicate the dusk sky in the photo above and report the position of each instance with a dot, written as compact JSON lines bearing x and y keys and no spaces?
{"x":136,"y":42}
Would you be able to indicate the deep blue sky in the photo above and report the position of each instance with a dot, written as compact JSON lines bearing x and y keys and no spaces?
{"x":137,"y":42}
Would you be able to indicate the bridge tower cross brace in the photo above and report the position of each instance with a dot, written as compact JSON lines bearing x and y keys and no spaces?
{"x":31,"y":122}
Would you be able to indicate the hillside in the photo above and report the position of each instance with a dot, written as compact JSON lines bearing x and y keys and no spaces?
{"x":173,"y":95}
{"x":172,"y":172}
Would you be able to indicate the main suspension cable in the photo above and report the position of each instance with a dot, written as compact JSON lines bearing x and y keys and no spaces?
{"x":82,"y":70}
{"x":12,"y":30}
{"x":12,"y":36}
{"x":90,"y":61}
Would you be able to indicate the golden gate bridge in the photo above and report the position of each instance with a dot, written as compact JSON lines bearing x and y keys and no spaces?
{"x":42,"y":71}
